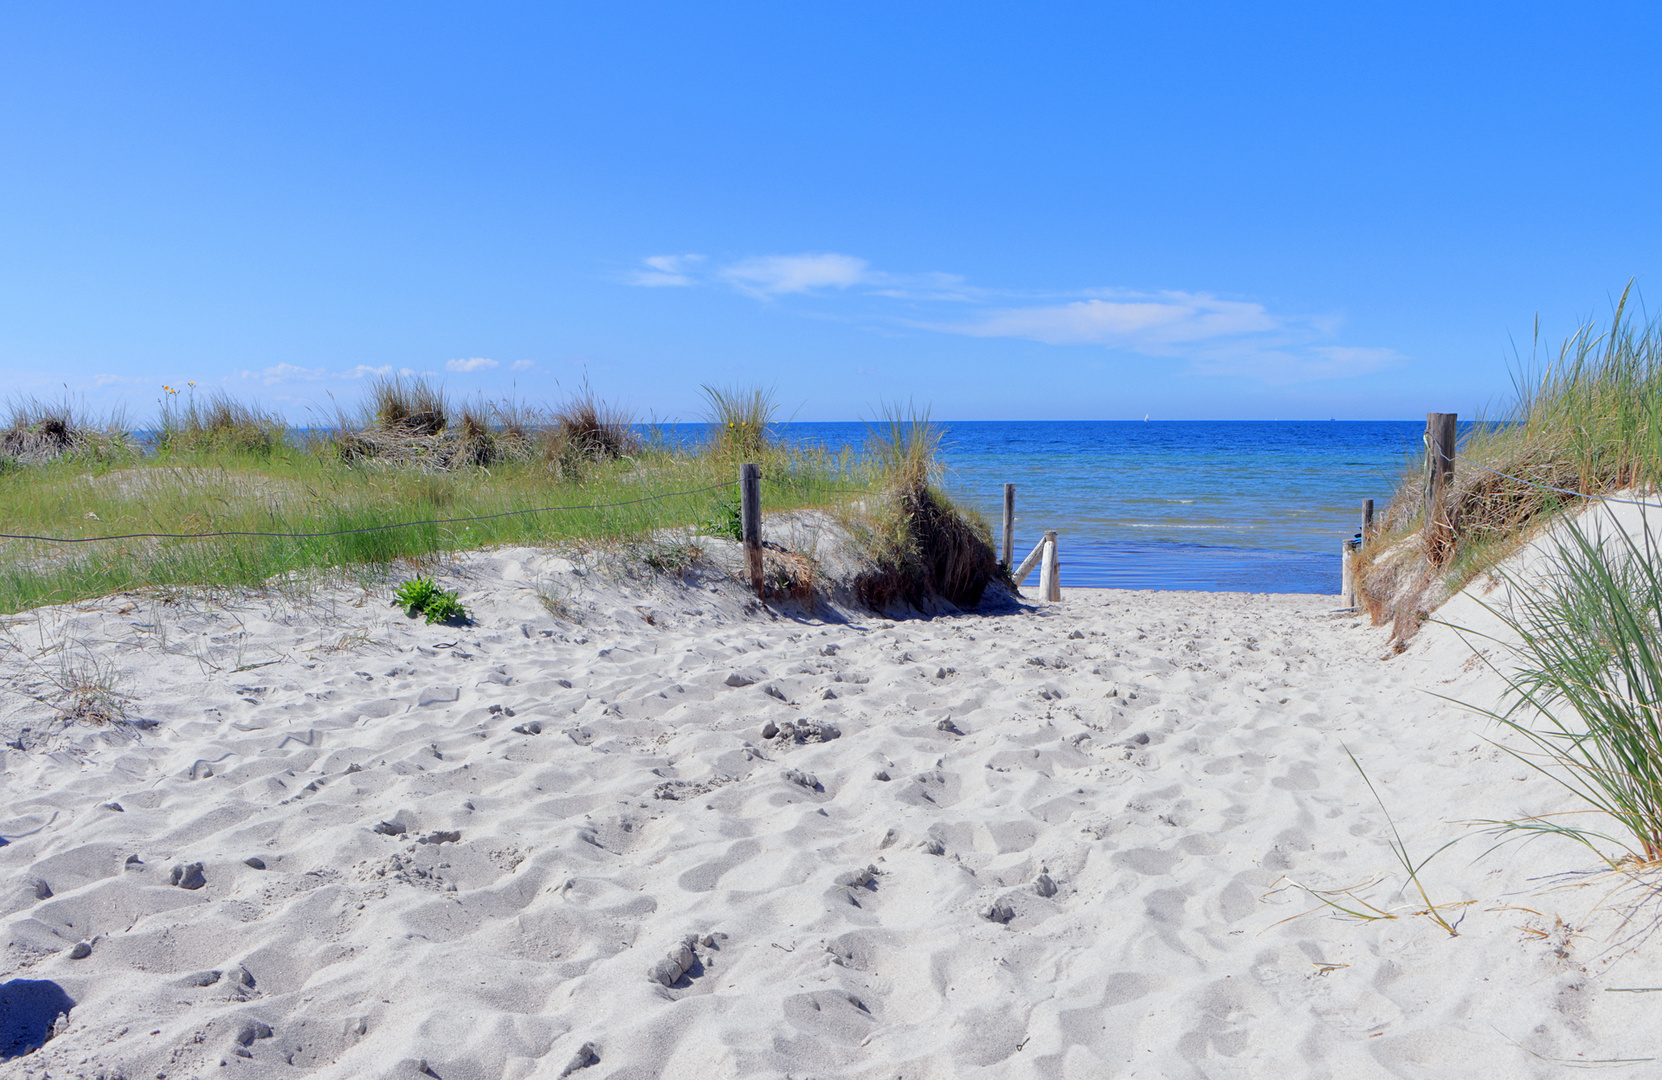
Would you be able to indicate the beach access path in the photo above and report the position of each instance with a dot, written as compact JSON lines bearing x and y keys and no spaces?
{"x":686,"y":839}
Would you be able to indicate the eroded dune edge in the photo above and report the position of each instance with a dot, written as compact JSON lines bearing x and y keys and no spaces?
{"x":689,"y":838}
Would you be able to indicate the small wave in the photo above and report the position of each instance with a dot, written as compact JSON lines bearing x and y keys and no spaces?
{"x":1231,"y":526}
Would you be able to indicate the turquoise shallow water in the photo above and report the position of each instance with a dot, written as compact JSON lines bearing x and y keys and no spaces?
{"x":1253,"y":506}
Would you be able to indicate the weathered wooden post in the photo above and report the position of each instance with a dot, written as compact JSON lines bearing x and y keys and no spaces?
{"x":1367,"y":521}
{"x":750,"y":521}
{"x":1440,"y":439}
{"x":1050,"y":578}
{"x":1019,"y":574}
{"x":1009,"y":523}
{"x":1439,"y":457}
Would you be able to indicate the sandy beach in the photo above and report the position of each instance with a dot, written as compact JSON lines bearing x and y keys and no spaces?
{"x":687,"y":837}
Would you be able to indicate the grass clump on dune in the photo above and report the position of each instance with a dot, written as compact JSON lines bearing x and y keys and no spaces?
{"x":740,"y":420}
{"x":917,"y":544}
{"x":586,"y":429}
{"x":217,"y":421}
{"x":37,"y":432}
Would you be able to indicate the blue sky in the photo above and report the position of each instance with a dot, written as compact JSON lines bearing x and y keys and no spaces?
{"x":1068,"y":211}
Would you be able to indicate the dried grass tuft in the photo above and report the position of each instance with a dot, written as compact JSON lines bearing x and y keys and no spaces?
{"x":37,"y":432}
{"x":594,"y":430}
{"x":407,"y":406}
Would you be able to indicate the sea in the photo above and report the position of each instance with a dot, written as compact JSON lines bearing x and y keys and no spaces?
{"x":1217,"y":506}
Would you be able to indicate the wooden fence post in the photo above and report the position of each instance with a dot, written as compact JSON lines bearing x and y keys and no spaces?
{"x":1020,"y":573}
{"x":1440,"y":438}
{"x":1009,"y":523}
{"x":1367,"y":521}
{"x":1050,"y":577}
{"x":750,"y":521}
{"x":1439,"y":458}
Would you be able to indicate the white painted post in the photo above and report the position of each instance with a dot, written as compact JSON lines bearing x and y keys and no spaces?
{"x":1347,"y":573}
{"x":1050,"y":580}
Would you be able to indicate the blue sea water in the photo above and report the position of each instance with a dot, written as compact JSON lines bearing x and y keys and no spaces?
{"x":1237,"y":506}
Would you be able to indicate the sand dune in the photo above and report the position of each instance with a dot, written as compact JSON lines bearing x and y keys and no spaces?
{"x":687,"y":839}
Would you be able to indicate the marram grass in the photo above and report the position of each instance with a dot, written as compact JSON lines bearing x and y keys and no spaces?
{"x":1585,"y":685}
{"x":1583,"y":421}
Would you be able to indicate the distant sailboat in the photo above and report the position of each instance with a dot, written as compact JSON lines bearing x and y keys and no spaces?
{"x":1145,"y":418}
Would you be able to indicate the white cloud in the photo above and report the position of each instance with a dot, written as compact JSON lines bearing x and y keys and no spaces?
{"x":1136,"y":321}
{"x":475,"y":363}
{"x":1289,"y":365}
{"x":285,"y":372}
{"x":1215,"y":336}
{"x":279,"y":373}
{"x":775,"y":275}
{"x":666,"y":270}
{"x":523,"y":365}
{"x":766,"y":276}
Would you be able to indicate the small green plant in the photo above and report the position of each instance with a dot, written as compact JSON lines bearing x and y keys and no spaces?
{"x":726,"y":520}
{"x":673,"y":557}
{"x":422,"y":596}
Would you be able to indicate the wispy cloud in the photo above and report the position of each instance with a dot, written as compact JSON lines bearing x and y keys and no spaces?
{"x":1291,"y":365}
{"x":282,"y":373}
{"x":768,"y":276}
{"x":522,"y":365}
{"x":667,"y":270}
{"x":1133,"y":320}
{"x":1214,"y":335}
{"x":776,"y":275}
{"x":473,"y":363}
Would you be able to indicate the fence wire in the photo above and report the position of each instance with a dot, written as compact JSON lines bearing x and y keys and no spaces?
{"x":1561,"y":491}
{"x":364,"y":529}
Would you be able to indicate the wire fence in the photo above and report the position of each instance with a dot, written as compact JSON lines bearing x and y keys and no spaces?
{"x":1560,"y":490}
{"x":363,"y":529}
{"x":393,"y":525}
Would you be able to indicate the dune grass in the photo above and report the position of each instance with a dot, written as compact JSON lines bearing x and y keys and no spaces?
{"x":1583,"y":421}
{"x":38,"y":431}
{"x":411,"y":474}
{"x":740,"y":419}
{"x":916,"y":542}
{"x":216,"y":421}
{"x":1585,"y":685}
{"x":295,"y":491}
{"x":408,"y":455}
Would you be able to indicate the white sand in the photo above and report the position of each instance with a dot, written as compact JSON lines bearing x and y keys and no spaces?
{"x":1128,"y":781}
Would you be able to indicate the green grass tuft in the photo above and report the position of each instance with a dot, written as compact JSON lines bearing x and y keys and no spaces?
{"x":740,"y":420}
{"x":1585,"y":685}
